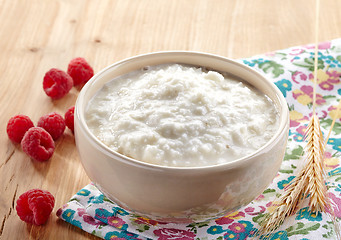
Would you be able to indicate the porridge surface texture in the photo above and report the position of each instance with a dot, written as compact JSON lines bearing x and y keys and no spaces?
{"x":182,"y":116}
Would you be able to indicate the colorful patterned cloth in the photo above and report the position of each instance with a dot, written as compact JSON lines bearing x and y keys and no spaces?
{"x":291,"y":70}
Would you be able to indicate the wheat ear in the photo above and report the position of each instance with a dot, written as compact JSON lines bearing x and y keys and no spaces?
{"x":285,"y":206}
{"x":315,"y":169}
{"x":309,"y":182}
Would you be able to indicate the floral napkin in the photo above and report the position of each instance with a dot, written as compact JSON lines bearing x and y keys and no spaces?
{"x":291,"y":71}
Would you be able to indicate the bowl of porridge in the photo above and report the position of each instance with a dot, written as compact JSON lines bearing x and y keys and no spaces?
{"x":181,"y":136}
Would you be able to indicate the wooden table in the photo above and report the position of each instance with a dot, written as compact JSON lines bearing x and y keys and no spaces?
{"x":37,"y":35}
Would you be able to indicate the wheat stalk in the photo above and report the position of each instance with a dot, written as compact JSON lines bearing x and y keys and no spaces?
{"x":310,"y":181}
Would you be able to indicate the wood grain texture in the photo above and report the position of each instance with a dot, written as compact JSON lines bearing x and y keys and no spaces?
{"x":37,"y":35}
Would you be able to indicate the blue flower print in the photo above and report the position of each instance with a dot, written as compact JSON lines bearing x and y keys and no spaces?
{"x":103,"y":215}
{"x":336,"y":143}
{"x":68,"y":215}
{"x":336,"y":171}
{"x":298,"y":137}
{"x":338,"y":188}
{"x":304,"y":213}
{"x":284,"y":85}
{"x":96,"y":199}
{"x":251,"y":64}
{"x":237,"y":230}
{"x":282,"y":184}
{"x":280,"y":235}
{"x":121,"y":235}
{"x":84,"y":192}
{"x":215,"y":230}
{"x":120,"y":211}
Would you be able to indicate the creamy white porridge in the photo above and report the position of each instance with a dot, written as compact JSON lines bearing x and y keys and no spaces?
{"x":184,"y":116}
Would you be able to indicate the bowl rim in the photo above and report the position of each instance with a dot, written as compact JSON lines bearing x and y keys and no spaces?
{"x":80,"y":110}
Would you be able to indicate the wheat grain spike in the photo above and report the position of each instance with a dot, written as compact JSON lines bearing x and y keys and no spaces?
{"x":285,"y":207}
{"x":308,"y":183}
{"x":315,"y":169}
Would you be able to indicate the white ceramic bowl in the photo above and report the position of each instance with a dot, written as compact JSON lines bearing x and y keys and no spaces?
{"x":180,"y":193}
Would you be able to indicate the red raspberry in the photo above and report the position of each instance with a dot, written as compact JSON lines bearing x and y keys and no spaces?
{"x":69,"y":118}
{"x":80,"y":71}
{"x":17,"y":127}
{"x":57,"y":83}
{"x":53,"y":123}
{"x":38,"y":144}
{"x":35,"y":206}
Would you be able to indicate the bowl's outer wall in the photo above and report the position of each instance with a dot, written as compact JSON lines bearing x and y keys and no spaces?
{"x":158,"y":191}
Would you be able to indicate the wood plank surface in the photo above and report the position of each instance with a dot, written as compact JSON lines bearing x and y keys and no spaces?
{"x":36,"y":35}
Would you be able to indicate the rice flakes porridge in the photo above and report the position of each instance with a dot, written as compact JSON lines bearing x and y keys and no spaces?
{"x":182,"y":116}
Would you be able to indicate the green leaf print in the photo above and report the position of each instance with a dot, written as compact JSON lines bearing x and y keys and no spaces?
{"x":105,"y":199}
{"x":330,"y":228}
{"x":260,"y":217}
{"x":273,"y":67}
{"x":269,"y":190}
{"x":140,"y":227}
{"x":309,"y":64}
{"x":329,"y":99}
{"x":301,"y":228}
{"x":295,"y":154}
{"x":74,"y":199}
{"x":194,"y":226}
{"x":338,"y":58}
{"x":287,"y":171}
{"x":268,"y":194}
{"x":281,"y":56}
{"x":291,"y":107}
{"x":98,"y":233}
{"x":325,"y":123}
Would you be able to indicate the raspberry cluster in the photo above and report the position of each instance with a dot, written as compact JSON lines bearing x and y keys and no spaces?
{"x":38,"y":142}
{"x":58,"y":83}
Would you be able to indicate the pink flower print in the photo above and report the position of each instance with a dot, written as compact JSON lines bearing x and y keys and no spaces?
{"x":173,"y":234}
{"x":298,"y":77}
{"x":270,"y":54}
{"x":296,"y":51}
{"x":87,"y":218}
{"x":321,"y":114}
{"x":252,"y":210}
{"x":336,"y":206}
{"x":333,"y":111}
{"x":260,"y":197}
{"x":302,"y":129}
{"x":326,"y":80}
{"x":227,"y":219}
{"x":296,"y":118}
{"x":304,"y":95}
{"x":321,"y":46}
{"x":330,"y":161}
{"x":116,"y":222}
{"x":271,"y":206}
{"x":237,"y":227}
